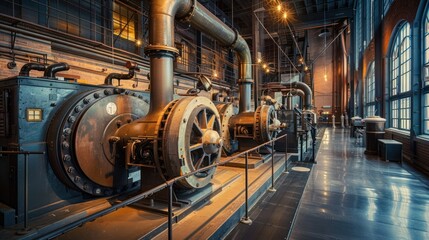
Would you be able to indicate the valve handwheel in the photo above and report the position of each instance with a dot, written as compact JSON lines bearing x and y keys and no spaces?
{"x":192,"y":140}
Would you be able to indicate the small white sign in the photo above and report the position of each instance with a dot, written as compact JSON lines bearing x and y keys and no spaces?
{"x":111,"y":108}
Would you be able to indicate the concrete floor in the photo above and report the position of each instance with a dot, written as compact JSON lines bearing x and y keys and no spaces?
{"x":350,"y":195}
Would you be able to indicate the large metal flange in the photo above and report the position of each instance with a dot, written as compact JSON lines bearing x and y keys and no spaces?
{"x":265,"y":123}
{"x":78,"y":137}
{"x":192,"y":140}
{"x":226,"y":111}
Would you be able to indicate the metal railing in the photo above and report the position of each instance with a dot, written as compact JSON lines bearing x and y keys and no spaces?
{"x":169,"y":184}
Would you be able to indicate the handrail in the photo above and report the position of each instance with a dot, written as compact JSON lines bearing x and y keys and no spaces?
{"x":168,"y":184}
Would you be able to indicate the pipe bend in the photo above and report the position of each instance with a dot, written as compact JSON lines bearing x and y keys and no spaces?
{"x":52,"y":69}
{"x":109,"y":79}
{"x":308,"y":93}
{"x":25,"y":70}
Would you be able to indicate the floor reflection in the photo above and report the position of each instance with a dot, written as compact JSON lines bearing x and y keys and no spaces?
{"x":351,"y":195}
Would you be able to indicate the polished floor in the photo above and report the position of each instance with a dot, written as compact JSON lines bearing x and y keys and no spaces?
{"x":350,"y":195}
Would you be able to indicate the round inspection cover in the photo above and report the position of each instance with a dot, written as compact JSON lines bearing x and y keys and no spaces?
{"x":93,"y":151}
{"x":78,"y":137}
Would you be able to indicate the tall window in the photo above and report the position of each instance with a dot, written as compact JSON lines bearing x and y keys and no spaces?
{"x":124,"y":22}
{"x":386,"y":5}
{"x":358,"y":31}
{"x":400,"y":79}
{"x":370,"y":91}
{"x":369,"y":21}
{"x":426,"y":74}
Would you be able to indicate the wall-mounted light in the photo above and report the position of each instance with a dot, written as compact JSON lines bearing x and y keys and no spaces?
{"x":138,"y":42}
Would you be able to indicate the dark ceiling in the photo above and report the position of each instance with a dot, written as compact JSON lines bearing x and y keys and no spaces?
{"x":303,"y":15}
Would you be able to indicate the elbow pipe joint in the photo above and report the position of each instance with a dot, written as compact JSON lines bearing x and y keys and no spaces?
{"x":131,"y":72}
{"x":25,"y":70}
{"x":52,"y":69}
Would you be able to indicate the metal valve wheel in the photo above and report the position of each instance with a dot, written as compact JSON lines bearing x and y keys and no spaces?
{"x":266,"y":123}
{"x":226,"y":111}
{"x":192,"y":140}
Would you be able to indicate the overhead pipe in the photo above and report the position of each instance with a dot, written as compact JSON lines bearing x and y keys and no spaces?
{"x":290,"y":92}
{"x":52,"y":69}
{"x":25,"y":70}
{"x":162,"y":51}
{"x":205,"y":21}
{"x":306,"y":89}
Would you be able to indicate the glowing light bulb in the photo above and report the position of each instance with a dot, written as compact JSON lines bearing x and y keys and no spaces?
{"x":305,"y":68}
{"x":279,"y":7}
{"x":264,"y":66}
{"x":138,"y":42}
{"x":267,"y":70}
{"x":259,"y":60}
{"x":285,"y":15}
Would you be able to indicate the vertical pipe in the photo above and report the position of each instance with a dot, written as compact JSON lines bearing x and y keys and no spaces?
{"x":245,"y":93}
{"x":162,"y":51}
{"x":161,"y":84}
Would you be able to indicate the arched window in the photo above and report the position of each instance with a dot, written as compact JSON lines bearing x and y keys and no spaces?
{"x":426,"y":73}
{"x":400,"y":79}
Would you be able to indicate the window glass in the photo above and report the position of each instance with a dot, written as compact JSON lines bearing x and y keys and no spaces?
{"x":400,"y":79}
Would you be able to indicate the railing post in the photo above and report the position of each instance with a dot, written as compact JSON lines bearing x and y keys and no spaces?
{"x":170,"y":211}
{"x":272,"y":189}
{"x":286,"y":160}
{"x":246,"y":219}
{"x":300,"y":154}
